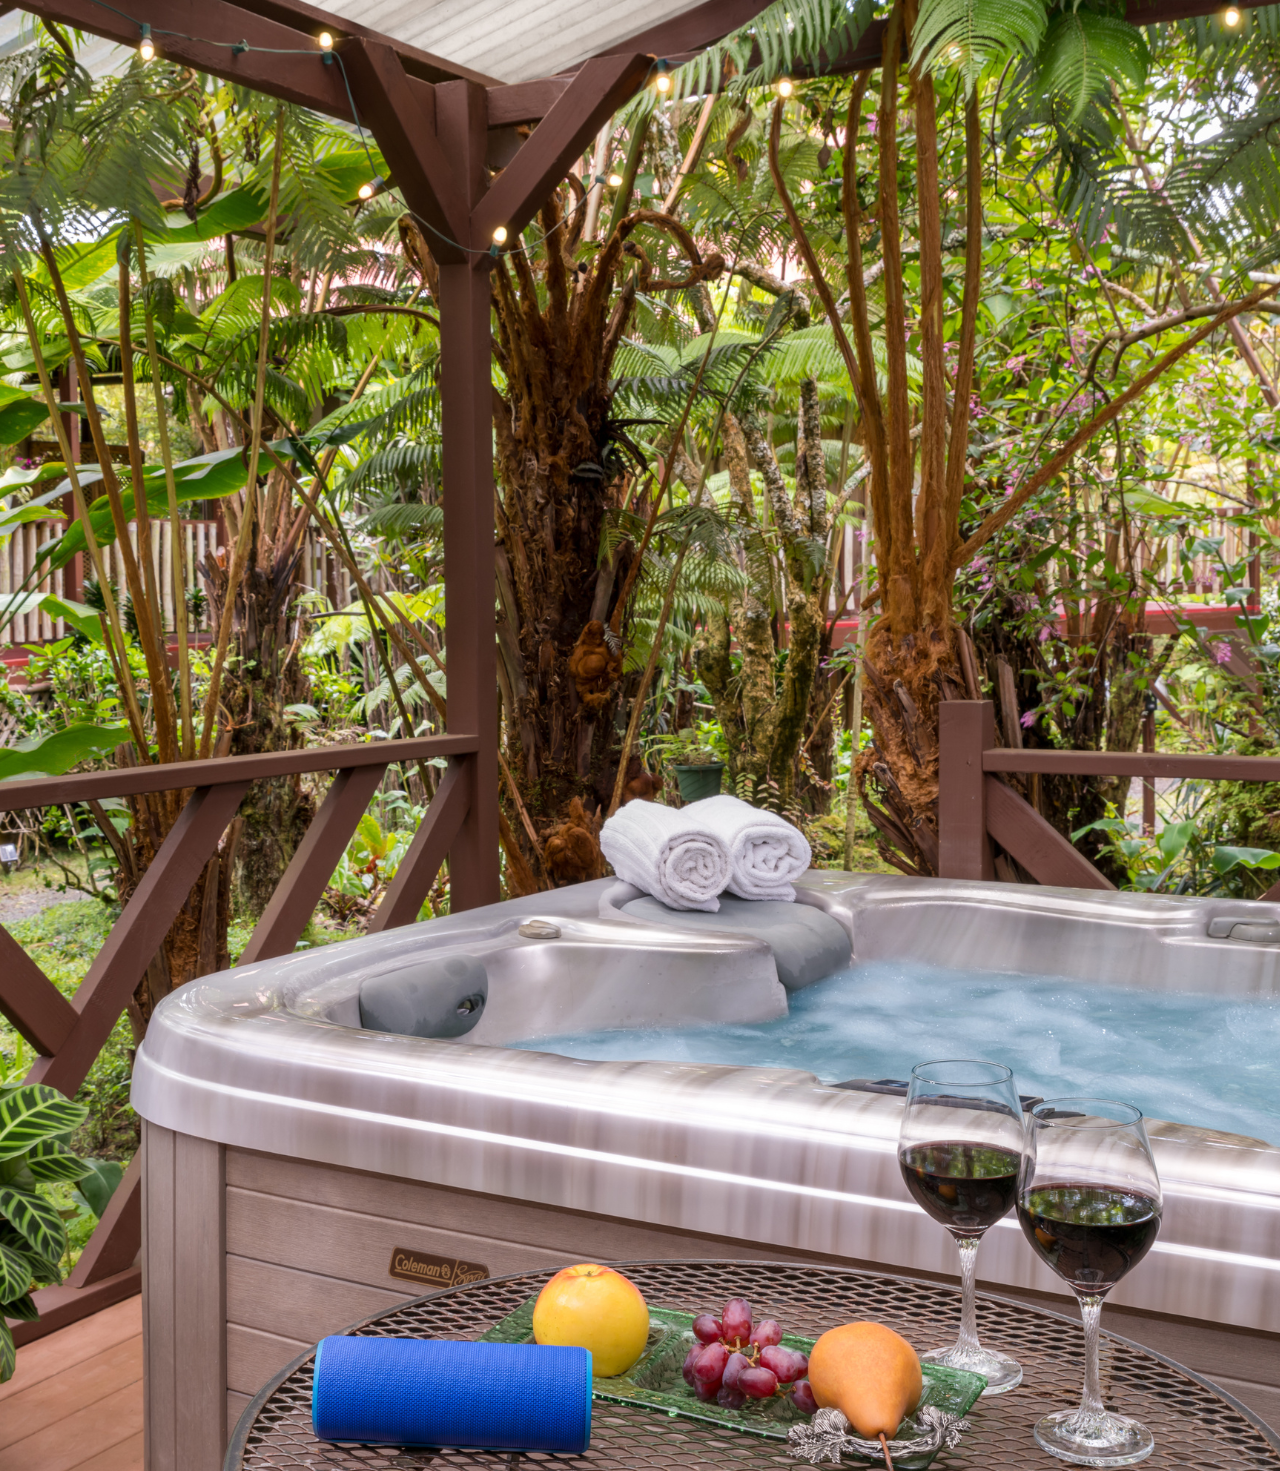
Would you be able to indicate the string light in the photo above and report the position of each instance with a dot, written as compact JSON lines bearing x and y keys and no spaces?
{"x":500,"y":235}
{"x":325,"y":41}
{"x":146,"y":47}
{"x":615,"y":181}
{"x":1231,"y":17}
{"x":785,"y":86}
{"x":367,"y":191}
{"x":662,"y":82}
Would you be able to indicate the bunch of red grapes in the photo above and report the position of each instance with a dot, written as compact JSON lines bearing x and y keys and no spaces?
{"x":735,"y":1360}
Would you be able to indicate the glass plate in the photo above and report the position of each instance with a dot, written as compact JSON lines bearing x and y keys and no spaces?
{"x":656,"y":1382}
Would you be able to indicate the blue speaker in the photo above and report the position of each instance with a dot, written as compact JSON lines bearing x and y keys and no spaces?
{"x":437,"y":1392}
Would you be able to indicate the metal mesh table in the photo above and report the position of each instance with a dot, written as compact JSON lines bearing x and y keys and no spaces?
{"x":1195,"y":1424}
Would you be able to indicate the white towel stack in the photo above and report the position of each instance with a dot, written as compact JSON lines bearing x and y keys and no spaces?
{"x":651,"y":847}
{"x":766,"y":853}
{"x":688,"y":856}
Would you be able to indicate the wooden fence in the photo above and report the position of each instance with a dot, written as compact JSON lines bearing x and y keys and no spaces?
{"x":320,"y":572}
{"x":68,"y":1035}
{"x":975,"y":806}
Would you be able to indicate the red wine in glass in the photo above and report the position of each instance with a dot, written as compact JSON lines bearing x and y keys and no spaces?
{"x":959,"y":1149}
{"x":965,"y":1186}
{"x":1089,"y":1203}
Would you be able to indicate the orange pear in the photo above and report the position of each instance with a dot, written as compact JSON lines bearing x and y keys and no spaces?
{"x":868,"y":1372}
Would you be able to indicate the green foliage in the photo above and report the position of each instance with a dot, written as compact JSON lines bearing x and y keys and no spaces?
{"x":35,"y":1123}
{"x":51,"y":755}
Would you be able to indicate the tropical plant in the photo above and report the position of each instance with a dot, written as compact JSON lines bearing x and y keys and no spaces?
{"x":36,"y":1123}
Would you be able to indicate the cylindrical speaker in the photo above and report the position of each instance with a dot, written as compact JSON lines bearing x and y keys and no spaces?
{"x":437,"y":1392}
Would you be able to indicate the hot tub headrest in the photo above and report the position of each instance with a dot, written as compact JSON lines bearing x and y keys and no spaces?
{"x":807,"y":943}
{"x":437,"y":996}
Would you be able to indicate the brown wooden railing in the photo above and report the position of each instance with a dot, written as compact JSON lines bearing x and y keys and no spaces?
{"x":68,"y":1035}
{"x":975,"y":806}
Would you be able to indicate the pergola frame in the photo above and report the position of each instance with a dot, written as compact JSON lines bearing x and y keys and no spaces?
{"x":439,"y":126}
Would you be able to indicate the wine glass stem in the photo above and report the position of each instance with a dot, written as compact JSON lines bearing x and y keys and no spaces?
{"x":1091,"y":1312}
{"x":968,"y":1298}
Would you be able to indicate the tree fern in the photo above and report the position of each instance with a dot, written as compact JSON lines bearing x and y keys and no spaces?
{"x":970,"y":33}
{"x":1083,"y":52}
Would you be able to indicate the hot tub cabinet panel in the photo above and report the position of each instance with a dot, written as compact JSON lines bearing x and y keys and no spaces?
{"x":289,"y":1155}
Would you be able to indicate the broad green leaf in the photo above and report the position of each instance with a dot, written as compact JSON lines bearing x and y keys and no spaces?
{"x":1227,"y":858}
{"x":23,"y":1308}
{"x":35,"y":1220}
{"x":238,"y":210}
{"x":82,"y":264}
{"x":8,"y":1355}
{"x":19,"y":418}
{"x":15,"y":1274}
{"x":1173,"y":838}
{"x":16,"y":476}
{"x":36,"y":1112}
{"x":82,"y":618}
{"x":99,"y":1185}
{"x":53,"y":755}
{"x":52,"y":1161}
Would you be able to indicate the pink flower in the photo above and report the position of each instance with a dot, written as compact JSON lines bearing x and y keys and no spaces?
{"x":873,"y":122}
{"x":1029,"y":719}
{"x":1044,"y":635}
{"x":1221,"y":652}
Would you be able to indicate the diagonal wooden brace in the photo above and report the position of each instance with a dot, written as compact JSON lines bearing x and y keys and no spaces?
{"x":1041,"y":849}
{"x":29,"y":999}
{"x":389,"y":106}
{"x":312,"y":866}
{"x":138,"y":933}
{"x":594,"y":95}
{"x":418,"y":868}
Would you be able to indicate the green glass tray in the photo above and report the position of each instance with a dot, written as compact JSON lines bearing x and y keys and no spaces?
{"x":656,"y":1382}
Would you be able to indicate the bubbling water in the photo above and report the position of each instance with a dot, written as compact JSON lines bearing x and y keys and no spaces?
{"x":1195,"y":1059}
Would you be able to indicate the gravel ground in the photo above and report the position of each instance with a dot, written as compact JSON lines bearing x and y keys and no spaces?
{"x":22,"y":903}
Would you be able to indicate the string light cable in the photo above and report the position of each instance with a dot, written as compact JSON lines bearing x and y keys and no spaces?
{"x":659,"y":70}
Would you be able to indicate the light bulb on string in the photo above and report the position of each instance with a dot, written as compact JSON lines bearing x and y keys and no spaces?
{"x":325,"y":41}
{"x":367,"y":191}
{"x":500,"y":235}
{"x":662,"y":82}
{"x":615,"y":181}
{"x":146,"y":47}
{"x":1231,"y":17}
{"x":785,"y":87}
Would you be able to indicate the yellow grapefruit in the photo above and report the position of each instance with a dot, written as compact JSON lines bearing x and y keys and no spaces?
{"x":595,"y":1308}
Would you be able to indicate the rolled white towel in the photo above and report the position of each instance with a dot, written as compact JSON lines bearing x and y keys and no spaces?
{"x":766,"y":852}
{"x":659,"y":850}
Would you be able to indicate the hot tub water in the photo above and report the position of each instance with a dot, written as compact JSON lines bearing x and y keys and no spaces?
{"x":1191,"y":1058}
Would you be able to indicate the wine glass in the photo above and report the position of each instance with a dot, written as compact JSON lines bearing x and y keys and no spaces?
{"x":959,"y":1150}
{"x":1089,"y":1204}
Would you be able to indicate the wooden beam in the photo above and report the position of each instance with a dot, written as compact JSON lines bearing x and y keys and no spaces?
{"x":298,"y":892}
{"x":407,"y":136}
{"x":30,"y":1001}
{"x":1134,"y":763}
{"x":691,"y":30}
{"x":435,"y":837}
{"x":1041,"y":849}
{"x":137,"y":934}
{"x":61,"y":1306}
{"x":52,"y":791}
{"x":594,"y":95}
{"x":525,"y":102}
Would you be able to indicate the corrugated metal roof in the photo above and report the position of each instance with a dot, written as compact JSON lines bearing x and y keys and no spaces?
{"x":513,"y":40}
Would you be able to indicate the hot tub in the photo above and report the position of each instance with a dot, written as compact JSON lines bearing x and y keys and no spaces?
{"x":302,"y":1171}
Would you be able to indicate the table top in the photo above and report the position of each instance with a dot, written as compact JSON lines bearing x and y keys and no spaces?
{"x":1194,"y":1423}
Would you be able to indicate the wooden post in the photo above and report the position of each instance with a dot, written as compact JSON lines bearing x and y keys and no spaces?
{"x":966,"y":728}
{"x":466,"y":394}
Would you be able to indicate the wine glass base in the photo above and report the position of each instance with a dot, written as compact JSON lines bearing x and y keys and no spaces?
{"x":1000,"y":1371}
{"x":1086,"y":1439}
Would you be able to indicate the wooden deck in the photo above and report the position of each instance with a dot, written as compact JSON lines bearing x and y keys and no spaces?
{"x":75,"y":1401}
